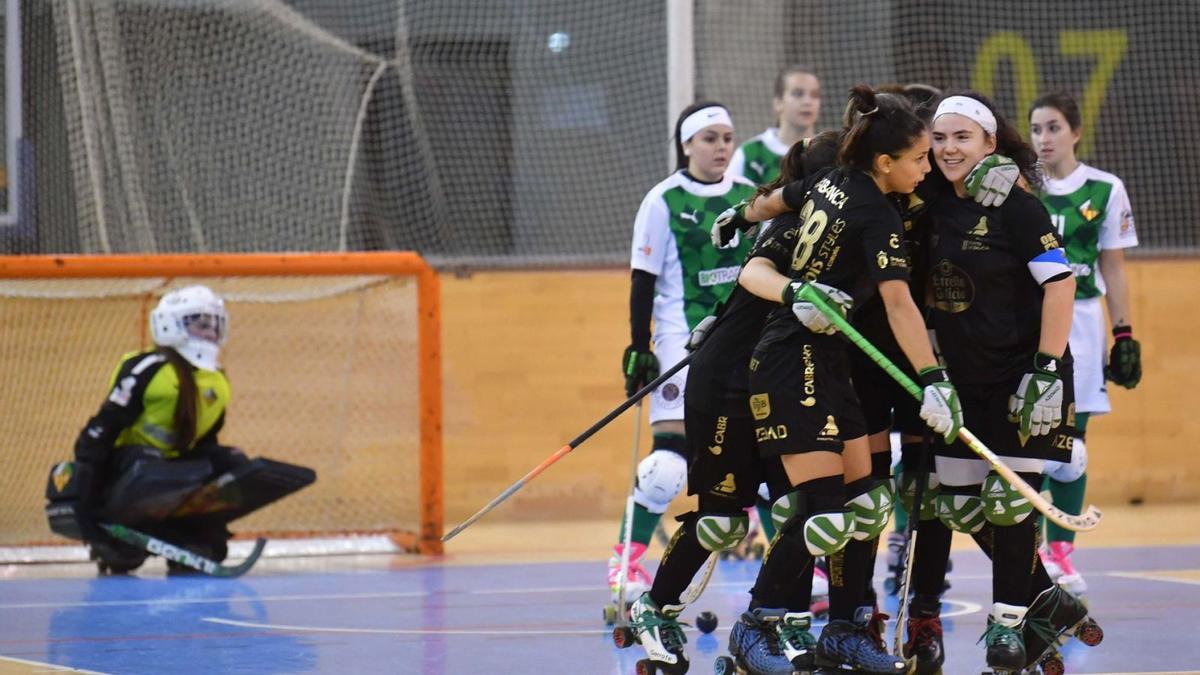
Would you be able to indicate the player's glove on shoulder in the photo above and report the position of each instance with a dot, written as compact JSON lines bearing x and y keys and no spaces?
{"x":808,"y":314}
{"x":992,"y":179}
{"x":1037,"y":405}
{"x":940,"y":407}
{"x":640,"y":366}
{"x":1125,"y":359}
{"x":727,"y":225}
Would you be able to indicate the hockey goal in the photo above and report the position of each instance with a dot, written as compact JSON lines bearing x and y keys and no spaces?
{"x":334,"y":361}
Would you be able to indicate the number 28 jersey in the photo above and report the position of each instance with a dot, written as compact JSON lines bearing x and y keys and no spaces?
{"x":846,"y":234}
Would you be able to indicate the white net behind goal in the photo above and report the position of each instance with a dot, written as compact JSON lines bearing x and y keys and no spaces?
{"x":323,"y":373}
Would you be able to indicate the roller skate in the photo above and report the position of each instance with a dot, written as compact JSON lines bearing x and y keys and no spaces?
{"x":1054,"y":617}
{"x":749,"y":548}
{"x":1005,"y":646}
{"x":658,"y":631}
{"x":638,"y":580}
{"x":924,"y":649}
{"x":856,"y":645}
{"x":754,"y":645}
{"x":1056,"y":556}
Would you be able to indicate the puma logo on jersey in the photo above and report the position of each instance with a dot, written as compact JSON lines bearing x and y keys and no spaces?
{"x":980,"y":229}
{"x":830,"y":430}
{"x":693,"y":216}
{"x":1089,"y":214}
{"x":758,"y":167}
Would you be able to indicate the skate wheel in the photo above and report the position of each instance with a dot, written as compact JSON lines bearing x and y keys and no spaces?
{"x":706,"y":622}
{"x":610,"y":615}
{"x":1090,"y":633}
{"x":623,"y":637}
{"x":1052,"y":664}
{"x":725,"y":666}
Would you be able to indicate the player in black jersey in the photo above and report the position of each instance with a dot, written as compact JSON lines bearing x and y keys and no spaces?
{"x":848,"y":237}
{"x":724,"y":466}
{"x":1002,"y":297}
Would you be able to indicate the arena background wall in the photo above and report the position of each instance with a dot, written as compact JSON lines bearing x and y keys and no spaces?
{"x":531,"y":360}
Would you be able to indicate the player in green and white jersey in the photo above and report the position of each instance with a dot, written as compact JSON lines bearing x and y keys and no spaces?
{"x":1091,"y":210}
{"x":797,"y":107}
{"x":678,"y":278}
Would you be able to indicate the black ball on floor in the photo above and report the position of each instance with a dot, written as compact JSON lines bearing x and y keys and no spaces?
{"x":706,"y":622}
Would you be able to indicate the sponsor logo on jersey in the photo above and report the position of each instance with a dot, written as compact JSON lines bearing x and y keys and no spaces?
{"x":1089,"y":214}
{"x":881,"y":259}
{"x":953,"y":290}
{"x":775,"y":433}
{"x":719,"y":435}
{"x":692,"y":215}
{"x":62,"y":475}
{"x":833,"y":193}
{"x":1126,"y":222}
{"x":980,"y":229}
{"x":721,"y":275}
{"x":760,"y":406}
{"x":810,"y":377}
{"x":758,"y":167}
{"x":670,"y":391}
{"x":645,"y":250}
{"x":894,"y":240}
{"x":726,"y":487}
{"x":830,"y":430}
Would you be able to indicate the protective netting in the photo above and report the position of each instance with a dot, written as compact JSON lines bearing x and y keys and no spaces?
{"x":523,"y":132}
{"x":322,"y":371}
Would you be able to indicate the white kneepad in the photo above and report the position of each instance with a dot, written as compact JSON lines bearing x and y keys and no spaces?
{"x":660,"y":478}
{"x":1066,"y":472}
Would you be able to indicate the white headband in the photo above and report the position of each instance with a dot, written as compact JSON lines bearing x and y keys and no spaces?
{"x":969,"y":108}
{"x":704,"y":117}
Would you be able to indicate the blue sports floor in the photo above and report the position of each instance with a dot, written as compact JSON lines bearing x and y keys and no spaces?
{"x":427,"y":616}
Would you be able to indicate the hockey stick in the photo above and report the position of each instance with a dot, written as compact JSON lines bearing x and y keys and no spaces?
{"x":1088,"y":520}
{"x":627,"y":529}
{"x":184,"y":557}
{"x":564,"y":450}
{"x":910,"y":543}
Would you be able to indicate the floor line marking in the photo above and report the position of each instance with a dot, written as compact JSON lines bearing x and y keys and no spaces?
{"x":1154,"y":576}
{"x":50,"y":667}
{"x":206,"y":601}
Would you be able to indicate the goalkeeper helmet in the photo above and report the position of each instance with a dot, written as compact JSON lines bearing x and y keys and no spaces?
{"x":193,"y":322}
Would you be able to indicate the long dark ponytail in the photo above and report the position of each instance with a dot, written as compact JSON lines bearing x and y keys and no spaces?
{"x":877,"y":124}
{"x":185,"y":404}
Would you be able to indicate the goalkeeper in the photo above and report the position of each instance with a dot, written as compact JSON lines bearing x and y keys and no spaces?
{"x":677,"y":279}
{"x":154,"y":441}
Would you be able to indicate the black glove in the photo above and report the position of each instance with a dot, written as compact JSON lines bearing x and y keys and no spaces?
{"x":1125,"y":359}
{"x":639,"y":367}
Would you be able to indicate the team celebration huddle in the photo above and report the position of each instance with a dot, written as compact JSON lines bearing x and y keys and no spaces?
{"x":922,"y":273}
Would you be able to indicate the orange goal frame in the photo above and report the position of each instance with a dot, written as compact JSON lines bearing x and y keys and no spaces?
{"x":428,"y":539}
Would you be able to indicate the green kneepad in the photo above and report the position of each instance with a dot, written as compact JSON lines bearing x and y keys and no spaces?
{"x":721,"y":533}
{"x":1002,"y":504}
{"x":784,"y":508}
{"x":828,"y":533}
{"x":908,"y":491}
{"x":961,"y":513}
{"x":871,"y":511}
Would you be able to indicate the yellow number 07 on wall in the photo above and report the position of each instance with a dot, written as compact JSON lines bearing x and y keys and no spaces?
{"x":1107,"y":47}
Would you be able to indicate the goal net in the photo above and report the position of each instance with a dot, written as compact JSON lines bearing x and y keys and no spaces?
{"x":332,"y":358}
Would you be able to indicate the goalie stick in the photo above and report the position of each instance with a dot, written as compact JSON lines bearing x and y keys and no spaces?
{"x":1088,"y":520}
{"x":182,"y":556}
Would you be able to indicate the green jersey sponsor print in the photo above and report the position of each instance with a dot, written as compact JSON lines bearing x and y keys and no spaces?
{"x":1091,"y":212}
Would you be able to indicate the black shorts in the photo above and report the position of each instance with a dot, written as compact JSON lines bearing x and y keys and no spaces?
{"x":724,"y":470}
{"x":886,"y":406}
{"x":985,"y":414}
{"x":801,"y":396}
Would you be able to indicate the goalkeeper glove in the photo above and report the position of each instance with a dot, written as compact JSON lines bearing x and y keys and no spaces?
{"x":727,"y":225}
{"x":940,"y":407}
{"x":808,"y":314}
{"x":1037,"y":405}
{"x":1125,"y":359}
{"x":992,"y":179}
{"x":639,"y":366}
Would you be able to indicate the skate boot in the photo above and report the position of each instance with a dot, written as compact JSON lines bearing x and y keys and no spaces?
{"x":754,"y":645}
{"x":638,"y":580}
{"x":819,"y":605}
{"x":658,"y":631}
{"x":1054,"y":617}
{"x":924,"y":647}
{"x":1005,"y":647}
{"x":1059,"y":553}
{"x":797,"y":641}
{"x":850,"y":645}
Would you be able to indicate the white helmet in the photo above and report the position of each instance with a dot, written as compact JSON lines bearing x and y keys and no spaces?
{"x":192,"y":321}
